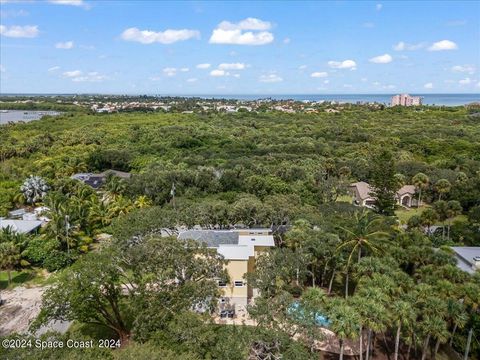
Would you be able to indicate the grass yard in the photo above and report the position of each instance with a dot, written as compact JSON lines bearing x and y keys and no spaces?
{"x":25,"y":278}
{"x":345,"y":198}
{"x":403,"y":215}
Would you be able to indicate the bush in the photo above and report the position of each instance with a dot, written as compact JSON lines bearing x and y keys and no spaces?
{"x":56,"y":260}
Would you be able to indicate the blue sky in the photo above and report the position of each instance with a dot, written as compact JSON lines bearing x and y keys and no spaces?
{"x":194,"y":47}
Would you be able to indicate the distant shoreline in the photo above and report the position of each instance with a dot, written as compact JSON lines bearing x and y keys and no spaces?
{"x":428,"y":99}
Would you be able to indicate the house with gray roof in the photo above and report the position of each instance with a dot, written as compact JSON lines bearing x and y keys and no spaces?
{"x":363,"y":195}
{"x":97,"y":180}
{"x":241,"y":248}
{"x":468,"y":258}
{"x":21,"y":226}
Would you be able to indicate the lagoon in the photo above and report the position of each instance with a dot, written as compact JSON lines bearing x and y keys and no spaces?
{"x":7,"y":116}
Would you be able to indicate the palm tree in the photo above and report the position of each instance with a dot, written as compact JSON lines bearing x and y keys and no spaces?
{"x":9,"y":258}
{"x":142,"y":202}
{"x":441,"y":208}
{"x":421,"y":182}
{"x":442,"y":186}
{"x":457,"y":316}
{"x":374,"y":313}
{"x":436,"y":327}
{"x":114,"y":187}
{"x":403,"y":314}
{"x":462,"y":178}
{"x":428,"y":217}
{"x":344,"y":322}
{"x":363,"y":234}
{"x":454,"y":209}
{"x":472,"y":302}
{"x":400,"y":179}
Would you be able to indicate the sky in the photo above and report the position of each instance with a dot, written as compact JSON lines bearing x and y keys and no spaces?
{"x":226,"y":47}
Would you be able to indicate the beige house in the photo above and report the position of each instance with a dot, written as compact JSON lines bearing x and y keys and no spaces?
{"x":240,"y":248}
{"x":362,"y":194}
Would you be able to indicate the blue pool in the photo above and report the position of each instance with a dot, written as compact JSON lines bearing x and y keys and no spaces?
{"x":296,"y":310}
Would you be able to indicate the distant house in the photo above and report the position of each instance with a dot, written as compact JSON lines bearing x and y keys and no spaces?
{"x":20,"y":226}
{"x":362,"y":194}
{"x":468,"y":258}
{"x":405,"y":196}
{"x":97,"y":180}
{"x":240,"y":248}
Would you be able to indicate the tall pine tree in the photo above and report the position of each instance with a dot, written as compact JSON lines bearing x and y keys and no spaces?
{"x":383,"y":182}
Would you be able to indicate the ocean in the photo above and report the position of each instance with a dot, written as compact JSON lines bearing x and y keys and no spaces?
{"x":428,"y":99}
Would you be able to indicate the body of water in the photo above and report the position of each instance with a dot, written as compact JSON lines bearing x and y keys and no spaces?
{"x":7,"y":116}
{"x":428,"y":99}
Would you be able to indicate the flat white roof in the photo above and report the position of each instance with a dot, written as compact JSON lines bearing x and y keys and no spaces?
{"x":235,"y":252}
{"x":20,"y":226}
{"x":465,"y":255}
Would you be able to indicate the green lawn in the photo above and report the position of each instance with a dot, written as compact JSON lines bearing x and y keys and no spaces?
{"x":345,"y":198}
{"x":25,"y":277}
{"x":404,"y":214}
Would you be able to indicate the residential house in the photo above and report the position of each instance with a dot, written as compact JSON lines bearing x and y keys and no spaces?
{"x":97,"y":180}
{"x":240,"y":248}
{"x":468,"y":258}
{"x":362,"y":194}
{"x":21,"y":226}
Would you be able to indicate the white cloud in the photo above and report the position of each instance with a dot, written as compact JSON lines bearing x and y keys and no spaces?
{"x":184,"y":69}
{"x":246,"y":24}
{"x":168,"y":36}
{"x":401,"y":46}
{"x":79,"y":76}
{"x":443,"y":45}
{"x":232,"y":66}
{"x":170,"y":71}
{"x":470,"y":69}
{"x":218,"y":73}
{"x":270,"y":78}
{"x":236,"y":34}
{"x":318,"y":74}
{"x":15,"y":31}
{"x":378,"y":7}
{"x":72,"y":74}
{"x":54,"y":68}
{"x":428,"y":85}
{"x":346,"y":64}
{"x":191,"y":80}
{"x":381,"y":59}
{"x":64,"y":45}
{"x":68,"y":2}
{"x":465,"y":81}
{"x":12,"y":13}
{"x":203,"y":66}
{"x":90,"y":77}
